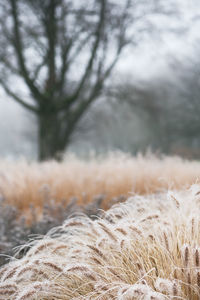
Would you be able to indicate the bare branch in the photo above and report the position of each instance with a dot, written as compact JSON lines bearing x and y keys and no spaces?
{"x":17,"y":42}
{"x":38,"y":69}
{"x":65,"y":65}
{"x":94,"y":50}
{"x":8,"y":64}
{"x":18,"y":99}
{"x":50,"y":25}
{"x":70,"y":100}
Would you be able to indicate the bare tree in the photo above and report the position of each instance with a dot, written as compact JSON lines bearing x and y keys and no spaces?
{"x":186,"y":72}
{"x":169,"y":105}
{"x":55,"y":58}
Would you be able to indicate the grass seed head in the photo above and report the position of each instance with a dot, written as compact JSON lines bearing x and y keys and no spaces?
{"x":115,"y":258}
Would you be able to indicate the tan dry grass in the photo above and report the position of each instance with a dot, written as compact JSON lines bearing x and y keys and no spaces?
{"x":22,"y":183}
{"x":147,"y":248}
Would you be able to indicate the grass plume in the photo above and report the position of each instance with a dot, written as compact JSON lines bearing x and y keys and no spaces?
{"x":151,"y":252}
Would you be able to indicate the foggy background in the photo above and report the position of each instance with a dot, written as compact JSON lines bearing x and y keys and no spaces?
{"x":152,"y":100}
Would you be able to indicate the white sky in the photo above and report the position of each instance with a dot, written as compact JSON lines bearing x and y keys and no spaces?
{"x":150,"y":56}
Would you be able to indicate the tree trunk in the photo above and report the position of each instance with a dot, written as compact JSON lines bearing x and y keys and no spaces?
{"x":51,"y":144}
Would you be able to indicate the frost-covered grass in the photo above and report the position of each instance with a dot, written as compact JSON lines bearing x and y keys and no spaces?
{"x":22,"y":183}
{"x":16,"y":230}
{"x":145,"y":248}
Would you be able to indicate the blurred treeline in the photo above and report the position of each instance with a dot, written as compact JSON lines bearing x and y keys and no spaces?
{"x":160,"y":114}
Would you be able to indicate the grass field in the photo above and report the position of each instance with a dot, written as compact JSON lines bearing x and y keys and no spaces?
{"x":145,"y":248}
{"x":22,"y":183}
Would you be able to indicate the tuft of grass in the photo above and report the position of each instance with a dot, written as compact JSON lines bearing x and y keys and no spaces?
{"x":16,"y":230}
{"x":145,"y":248}
{"x":22,"y":183}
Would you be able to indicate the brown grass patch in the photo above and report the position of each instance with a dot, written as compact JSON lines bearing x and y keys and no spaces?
{"x":22,"y":183}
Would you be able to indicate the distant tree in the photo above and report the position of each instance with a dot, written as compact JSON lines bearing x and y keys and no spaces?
{"x":169,"y":105}
{"x":187,"y":82}
{"x":63,"y":52}
{"x":150,"y":100}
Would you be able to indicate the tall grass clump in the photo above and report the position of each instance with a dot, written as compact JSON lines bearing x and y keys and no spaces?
{"x":16,"y":230}
{"x":145,"y":248}
{"x":22,"y":183}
